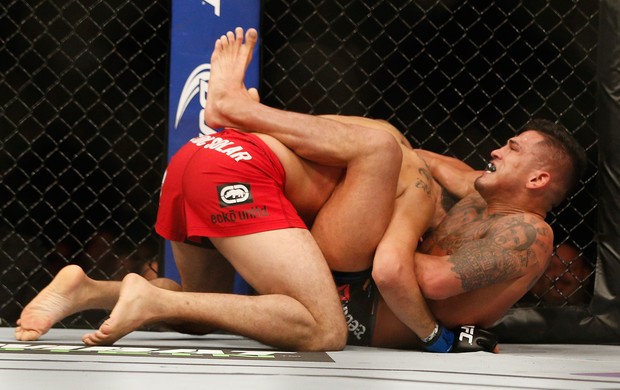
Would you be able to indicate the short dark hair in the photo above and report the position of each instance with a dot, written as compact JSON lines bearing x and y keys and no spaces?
{"x":560,"y":139}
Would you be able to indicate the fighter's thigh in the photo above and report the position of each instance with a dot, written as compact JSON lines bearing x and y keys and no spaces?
{"x":202,"y":269}
{"x":284,"y":261}
{"x":351,"y":223}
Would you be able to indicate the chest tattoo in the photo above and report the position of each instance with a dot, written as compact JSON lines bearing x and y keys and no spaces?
{"x":486,"y":249}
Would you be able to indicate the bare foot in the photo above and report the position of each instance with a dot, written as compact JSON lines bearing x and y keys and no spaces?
{"x":62,"y":297}
{"x":229,"y":63}
{"x":133,"y":310}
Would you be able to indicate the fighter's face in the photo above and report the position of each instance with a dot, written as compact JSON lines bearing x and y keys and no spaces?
{"x":511,"y":166}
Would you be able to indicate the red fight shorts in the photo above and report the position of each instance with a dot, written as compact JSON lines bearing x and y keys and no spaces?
{"x":222,"y":185}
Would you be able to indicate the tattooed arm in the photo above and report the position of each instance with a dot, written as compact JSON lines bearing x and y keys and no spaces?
{"x":514,"y":247}
{"x":453,"y":174}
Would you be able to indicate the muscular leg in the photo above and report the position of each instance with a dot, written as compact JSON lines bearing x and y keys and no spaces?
{"x":285,"y":266}
{"x":201,"y":270}
{"x":353,"y":220}
{"x":351,"y":223}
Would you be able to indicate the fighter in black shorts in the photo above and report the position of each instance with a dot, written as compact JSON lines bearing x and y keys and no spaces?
{"x":358,"y":296}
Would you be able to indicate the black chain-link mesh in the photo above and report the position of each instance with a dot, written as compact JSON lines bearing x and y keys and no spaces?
{"x":455,"y":77}
{"x":83,"y":92}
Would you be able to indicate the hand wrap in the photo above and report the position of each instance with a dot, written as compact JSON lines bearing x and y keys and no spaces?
{"x":441,"y":340}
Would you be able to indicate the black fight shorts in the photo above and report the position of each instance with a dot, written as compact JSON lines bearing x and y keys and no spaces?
{"x":358,"y":296}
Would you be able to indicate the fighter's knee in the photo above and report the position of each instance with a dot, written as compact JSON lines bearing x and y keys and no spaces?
{"x":327,"y":333}
{"x":337,"y":338}
{"x":386,"y":144}
{"x":326,"y":338}
{"x":386,"y":152}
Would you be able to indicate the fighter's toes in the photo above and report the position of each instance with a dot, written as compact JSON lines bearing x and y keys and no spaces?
{"x":89,"y":339}
{"x":251,"y":36}
{"x":26,"y":334}
{"x":96,"y":338}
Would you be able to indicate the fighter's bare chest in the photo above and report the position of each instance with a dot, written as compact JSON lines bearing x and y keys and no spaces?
{"x":464,"y":223}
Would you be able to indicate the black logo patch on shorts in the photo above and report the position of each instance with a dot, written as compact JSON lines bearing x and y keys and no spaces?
{"x":234,"y":194}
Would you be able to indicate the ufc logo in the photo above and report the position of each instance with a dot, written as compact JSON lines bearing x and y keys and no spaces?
{"x":467,"y":333}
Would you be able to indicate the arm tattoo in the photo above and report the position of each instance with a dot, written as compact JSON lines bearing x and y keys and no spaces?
{"x":423,"y":183}
{"x":501,"y":255}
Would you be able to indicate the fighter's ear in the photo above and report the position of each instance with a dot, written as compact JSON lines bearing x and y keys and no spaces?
{"x":538,"y":179}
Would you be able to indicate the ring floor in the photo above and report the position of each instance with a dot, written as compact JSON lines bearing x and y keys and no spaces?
{"x":161,"y":360}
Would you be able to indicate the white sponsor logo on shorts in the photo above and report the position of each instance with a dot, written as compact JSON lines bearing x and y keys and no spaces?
{"x":222,"y":145}
{"x":234,"y":193}
{"x":354,"y":326}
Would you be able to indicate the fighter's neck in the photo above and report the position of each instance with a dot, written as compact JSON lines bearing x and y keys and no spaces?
{"x":494,"y":207}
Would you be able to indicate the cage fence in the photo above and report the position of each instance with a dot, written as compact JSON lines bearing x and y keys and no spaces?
{"x":84,"y":97}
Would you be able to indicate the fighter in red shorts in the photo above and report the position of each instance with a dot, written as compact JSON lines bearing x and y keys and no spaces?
{"x":221,"y":185}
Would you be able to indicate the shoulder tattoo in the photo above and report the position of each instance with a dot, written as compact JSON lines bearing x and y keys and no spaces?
{"x":511,"y":245}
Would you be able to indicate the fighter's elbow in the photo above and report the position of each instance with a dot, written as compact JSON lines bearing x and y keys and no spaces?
{"x":388,"y":276}
{"x":432,"y":287}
